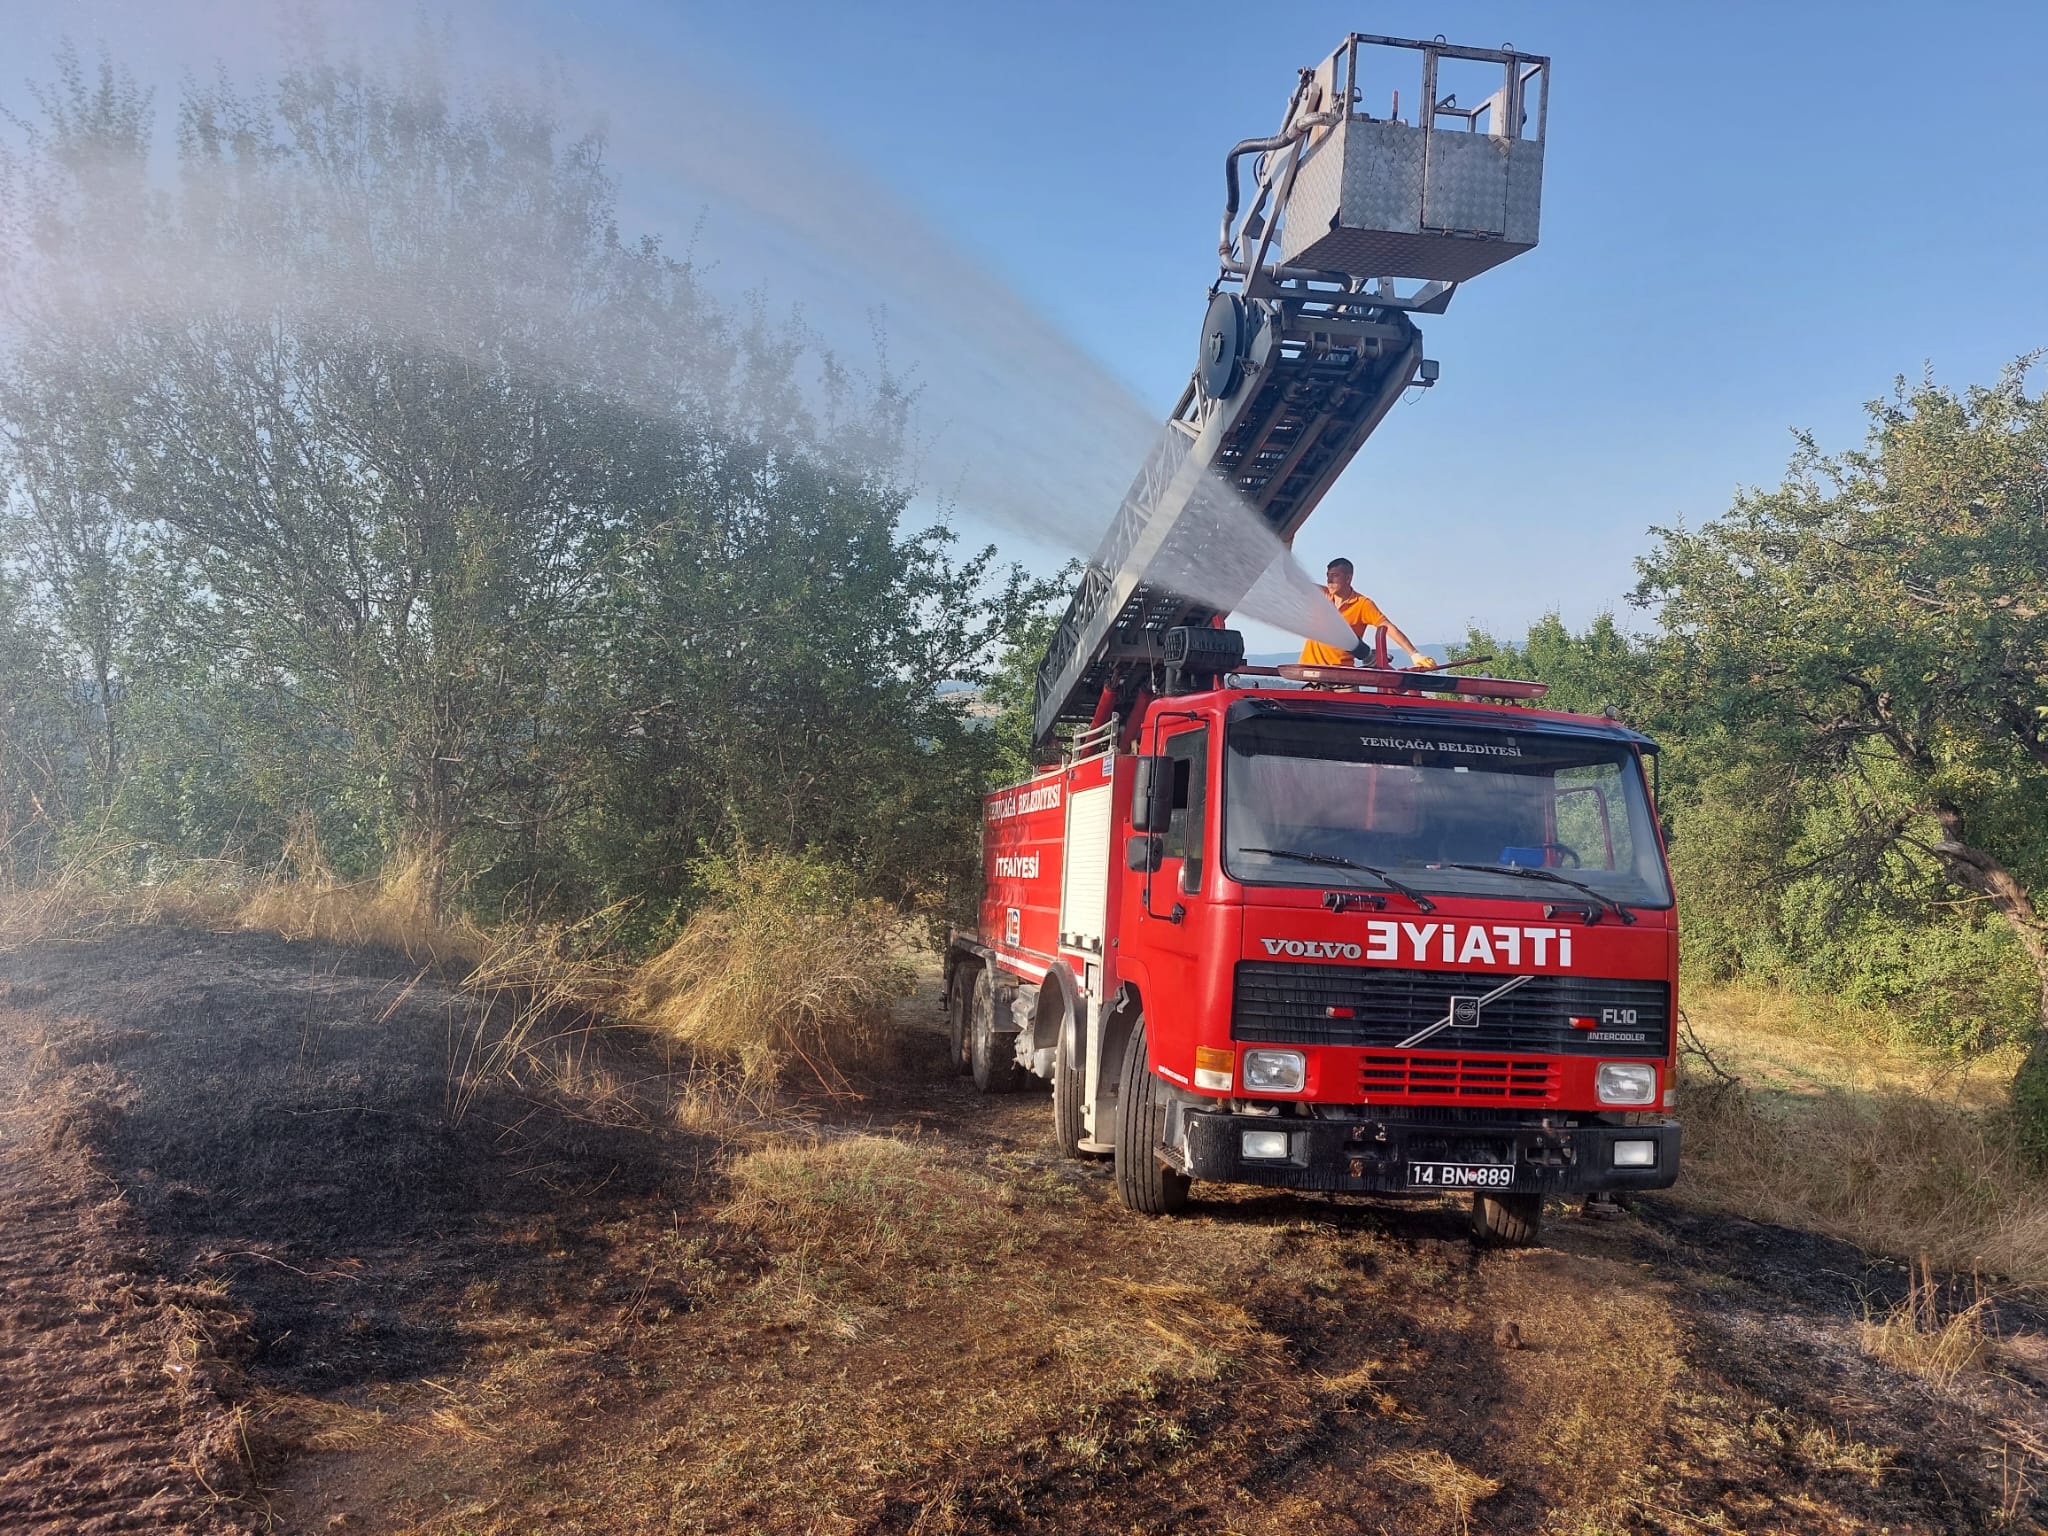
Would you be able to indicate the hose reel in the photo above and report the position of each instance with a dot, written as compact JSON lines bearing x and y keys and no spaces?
{"x":1227,"y":332}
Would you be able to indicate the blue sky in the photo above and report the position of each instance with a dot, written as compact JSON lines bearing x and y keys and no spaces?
{"x":1755,"y":215}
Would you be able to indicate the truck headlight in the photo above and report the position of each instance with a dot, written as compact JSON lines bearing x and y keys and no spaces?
{"x":1264,"y":1144}
{"x":1274,"y":1071}
{"x":1626,"y":1082}
{"x":1635,"y":1154}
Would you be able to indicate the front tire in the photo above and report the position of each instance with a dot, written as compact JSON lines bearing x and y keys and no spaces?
{"x":993,"y":1056}
{"x":1507,"y":1221}
{"x":1143,"y":1183}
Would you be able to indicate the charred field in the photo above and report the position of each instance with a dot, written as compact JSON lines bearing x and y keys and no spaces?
{"x":275,"y":1256}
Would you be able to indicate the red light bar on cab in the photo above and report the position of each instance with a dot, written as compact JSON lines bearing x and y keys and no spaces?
{"x":1417,"y":681}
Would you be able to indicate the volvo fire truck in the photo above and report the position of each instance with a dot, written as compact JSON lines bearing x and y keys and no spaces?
{"x":1349,"y":929}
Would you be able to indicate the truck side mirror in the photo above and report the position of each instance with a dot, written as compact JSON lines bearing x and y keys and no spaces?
{"x":1143,"y":852}
{"x":1152,"y":794}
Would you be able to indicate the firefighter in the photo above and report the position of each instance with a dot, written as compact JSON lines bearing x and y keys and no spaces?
{"x":1361,"y":613}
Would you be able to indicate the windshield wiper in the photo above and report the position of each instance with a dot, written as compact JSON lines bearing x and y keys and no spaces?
{"x":1422,"y":902}
{"x":1526,"y":872}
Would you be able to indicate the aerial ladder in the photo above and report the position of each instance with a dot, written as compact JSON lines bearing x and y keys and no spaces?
{"x":1349,"y":226}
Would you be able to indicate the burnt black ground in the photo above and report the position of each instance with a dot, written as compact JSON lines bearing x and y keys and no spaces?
{"x":296,"y":1128}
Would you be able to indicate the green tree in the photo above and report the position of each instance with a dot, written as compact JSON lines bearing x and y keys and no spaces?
{"x":770,"y":675}
{"x":1604,"y":668}
{"x":364,"y":468}
{"x":67,"y":529}
{"x":1878,"y":625}
{"x":1011,"y":686}
{"x":38,"y":783}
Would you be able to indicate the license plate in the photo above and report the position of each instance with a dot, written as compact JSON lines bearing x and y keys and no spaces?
{"x":1461,"y":1175}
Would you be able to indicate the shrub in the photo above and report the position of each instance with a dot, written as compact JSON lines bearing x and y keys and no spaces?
{"x":780,"y":969}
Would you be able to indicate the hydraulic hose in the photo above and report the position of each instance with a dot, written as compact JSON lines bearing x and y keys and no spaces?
{"x":1290,"y":130}
{"x":1238,"y":152}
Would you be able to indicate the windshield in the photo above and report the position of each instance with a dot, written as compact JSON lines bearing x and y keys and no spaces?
{"x":1416,"y":802}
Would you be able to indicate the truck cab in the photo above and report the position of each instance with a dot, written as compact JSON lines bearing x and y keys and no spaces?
{"x":1340,"y":938}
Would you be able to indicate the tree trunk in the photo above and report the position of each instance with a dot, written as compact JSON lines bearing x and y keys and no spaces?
{"x":110,"y":750}
{"x":443,"y":804}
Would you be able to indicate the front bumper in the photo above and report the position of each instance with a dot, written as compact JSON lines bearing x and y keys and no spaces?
{"x":1375,"y":1155}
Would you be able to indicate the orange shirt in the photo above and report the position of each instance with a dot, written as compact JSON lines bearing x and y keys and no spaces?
{"x":1361,"y":613}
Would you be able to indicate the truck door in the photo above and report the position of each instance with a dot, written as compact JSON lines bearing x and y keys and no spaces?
{"x":1174,"y":917}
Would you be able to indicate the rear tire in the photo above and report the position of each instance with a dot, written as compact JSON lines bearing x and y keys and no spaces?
{"x":1507,"y":1221}
{"x":992,"y":1056}
{"x":959,"y":1012}
{"x":1068,"y":1086}
{"x":1143,"y":1183}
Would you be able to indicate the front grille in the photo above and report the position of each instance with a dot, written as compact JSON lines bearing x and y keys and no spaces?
{"x":1492,"y":1079}
{"x":1456,"y":1115}
{"x":1287,"y":1004}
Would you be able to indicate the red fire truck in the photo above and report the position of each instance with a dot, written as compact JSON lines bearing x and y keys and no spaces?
{"x":1348,"y":937}
{"x":1325,"y":928}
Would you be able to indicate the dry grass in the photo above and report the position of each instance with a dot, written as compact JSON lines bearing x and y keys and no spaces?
{"x":300,"y":1421}
{"x":778,"y":971}
{"x":1898,"y":1154}
{"x":541,"y":995}
{"x":865,"y":1198}
{"x":853,"y":1219}
{"x":1806,"y":1047}
{"x":389,"y":911}
{"x":106,"y":884}
{"x":96,"y":889}
{"x":716,"y":1098}
{"x":1452,"y":1488}
{"x":855,"y":1223}
{"x":1136,"y":1335}
{"x":1928,"y":1334}
{"x":878,"y":1242}
{"x":1940,"y":1352}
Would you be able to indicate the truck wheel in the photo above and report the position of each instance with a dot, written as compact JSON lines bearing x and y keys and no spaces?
{"x":1142,"y":1183}
{"x":1067,"y":1088}
{"x":959,"y":1013}
{"x":1507,"y":1221}
{"x":992,"y":1056}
